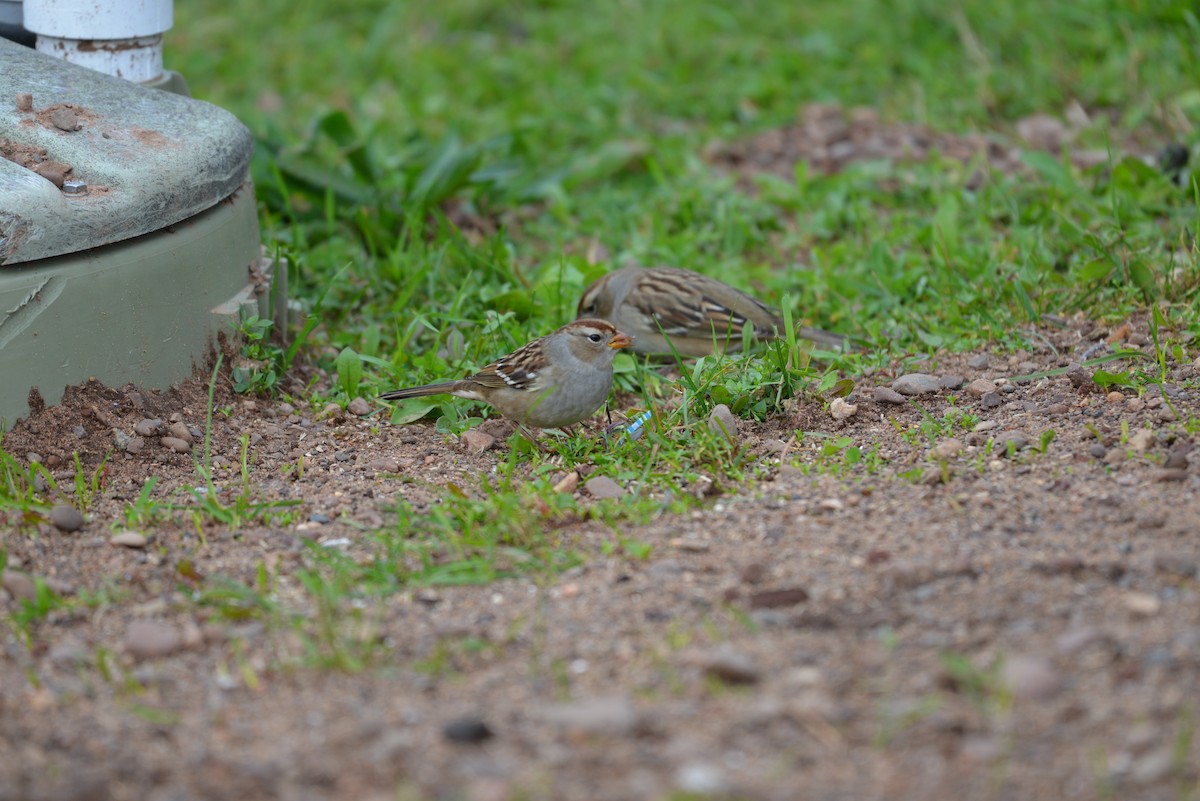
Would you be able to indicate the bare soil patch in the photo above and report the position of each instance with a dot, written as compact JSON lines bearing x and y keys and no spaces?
{"x":1023,"y":627}
{"x":830,"y":137}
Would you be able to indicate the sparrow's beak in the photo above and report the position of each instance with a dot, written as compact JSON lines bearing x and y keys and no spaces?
{"x":620,"y":340}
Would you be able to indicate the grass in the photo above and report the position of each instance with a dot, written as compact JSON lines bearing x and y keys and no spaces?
{"x":560,"y":125}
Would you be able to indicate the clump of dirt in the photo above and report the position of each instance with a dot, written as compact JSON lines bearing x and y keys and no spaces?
{"x":35,"y":159}
{"x":151,"y":138}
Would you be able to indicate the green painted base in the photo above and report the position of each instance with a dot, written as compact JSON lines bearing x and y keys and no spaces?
{"x":146,"y":310}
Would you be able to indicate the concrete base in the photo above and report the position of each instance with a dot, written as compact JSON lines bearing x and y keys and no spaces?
{"x":146,"y":310}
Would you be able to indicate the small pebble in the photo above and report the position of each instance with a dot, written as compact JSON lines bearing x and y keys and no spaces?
{"x":128,"y":539}
{"x":1097,"y":450}
{"x":180,"y":431}
{"x":467,"y":730}
{"x":1019,"y":440}
{"x":840,"y":409}
{"x":990,"y":401}
{"x":979,"y":362}
{"x":359,"y":407}
{"x":1116,"y":397}
{"x":65,"y":119}
{"x":1142,"y":604}
{"x":729,"y":665}
{"x":176,"y":444}
{"x":1141,"y":440}
{"x":151,"y":639}
{"x":18,"y":585}
{"x":1177,"y":459}
{"x":952,"y":381}
{"x":778,"y":599}
{"x":603,"y":487}
{"x":1031,"y":678}
{"x":476,"y":441}
{"x":916,"y":384}
{"x":66,"y":517}
{"x":722,"y":422}
{"x":948,"y":449}
{"x":317,"y":517}
{"x":568,"y":483}
{"x":888,"y":395}
{"x":980,"y":387}
{"x":148,"y":427}
{"x":613,"y":716}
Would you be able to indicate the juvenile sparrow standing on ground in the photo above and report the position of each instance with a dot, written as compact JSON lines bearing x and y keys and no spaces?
{"x":692,"y":310}
{"x":553,"y":381}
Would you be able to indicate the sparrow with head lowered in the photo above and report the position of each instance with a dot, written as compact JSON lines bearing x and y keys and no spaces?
{"x":554,"y":381}
{"x":666,"y":307}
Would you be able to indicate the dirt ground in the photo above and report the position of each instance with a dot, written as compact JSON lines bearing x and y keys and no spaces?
{"x":957,"y":623}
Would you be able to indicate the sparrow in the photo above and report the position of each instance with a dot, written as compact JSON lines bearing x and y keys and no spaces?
{"x":554,"y":381}
{"x":666,"y":307}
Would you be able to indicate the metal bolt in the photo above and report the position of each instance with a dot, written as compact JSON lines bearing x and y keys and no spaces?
{"x":75,"y":187}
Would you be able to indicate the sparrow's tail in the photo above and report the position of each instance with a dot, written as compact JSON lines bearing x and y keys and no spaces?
{"x":440,"y":388}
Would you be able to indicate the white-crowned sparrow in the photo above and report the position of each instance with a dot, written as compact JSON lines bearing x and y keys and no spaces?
{"x":553,"y":381}
{"x":692,"y":310}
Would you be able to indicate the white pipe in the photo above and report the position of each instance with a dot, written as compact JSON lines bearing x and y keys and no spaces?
{"x":117,"y":37}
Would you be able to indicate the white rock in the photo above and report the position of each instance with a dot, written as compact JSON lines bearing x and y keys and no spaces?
{"x":840,"y":409}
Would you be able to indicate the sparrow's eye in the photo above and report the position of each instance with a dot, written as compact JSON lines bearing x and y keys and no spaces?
{"x":595,"y":337}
